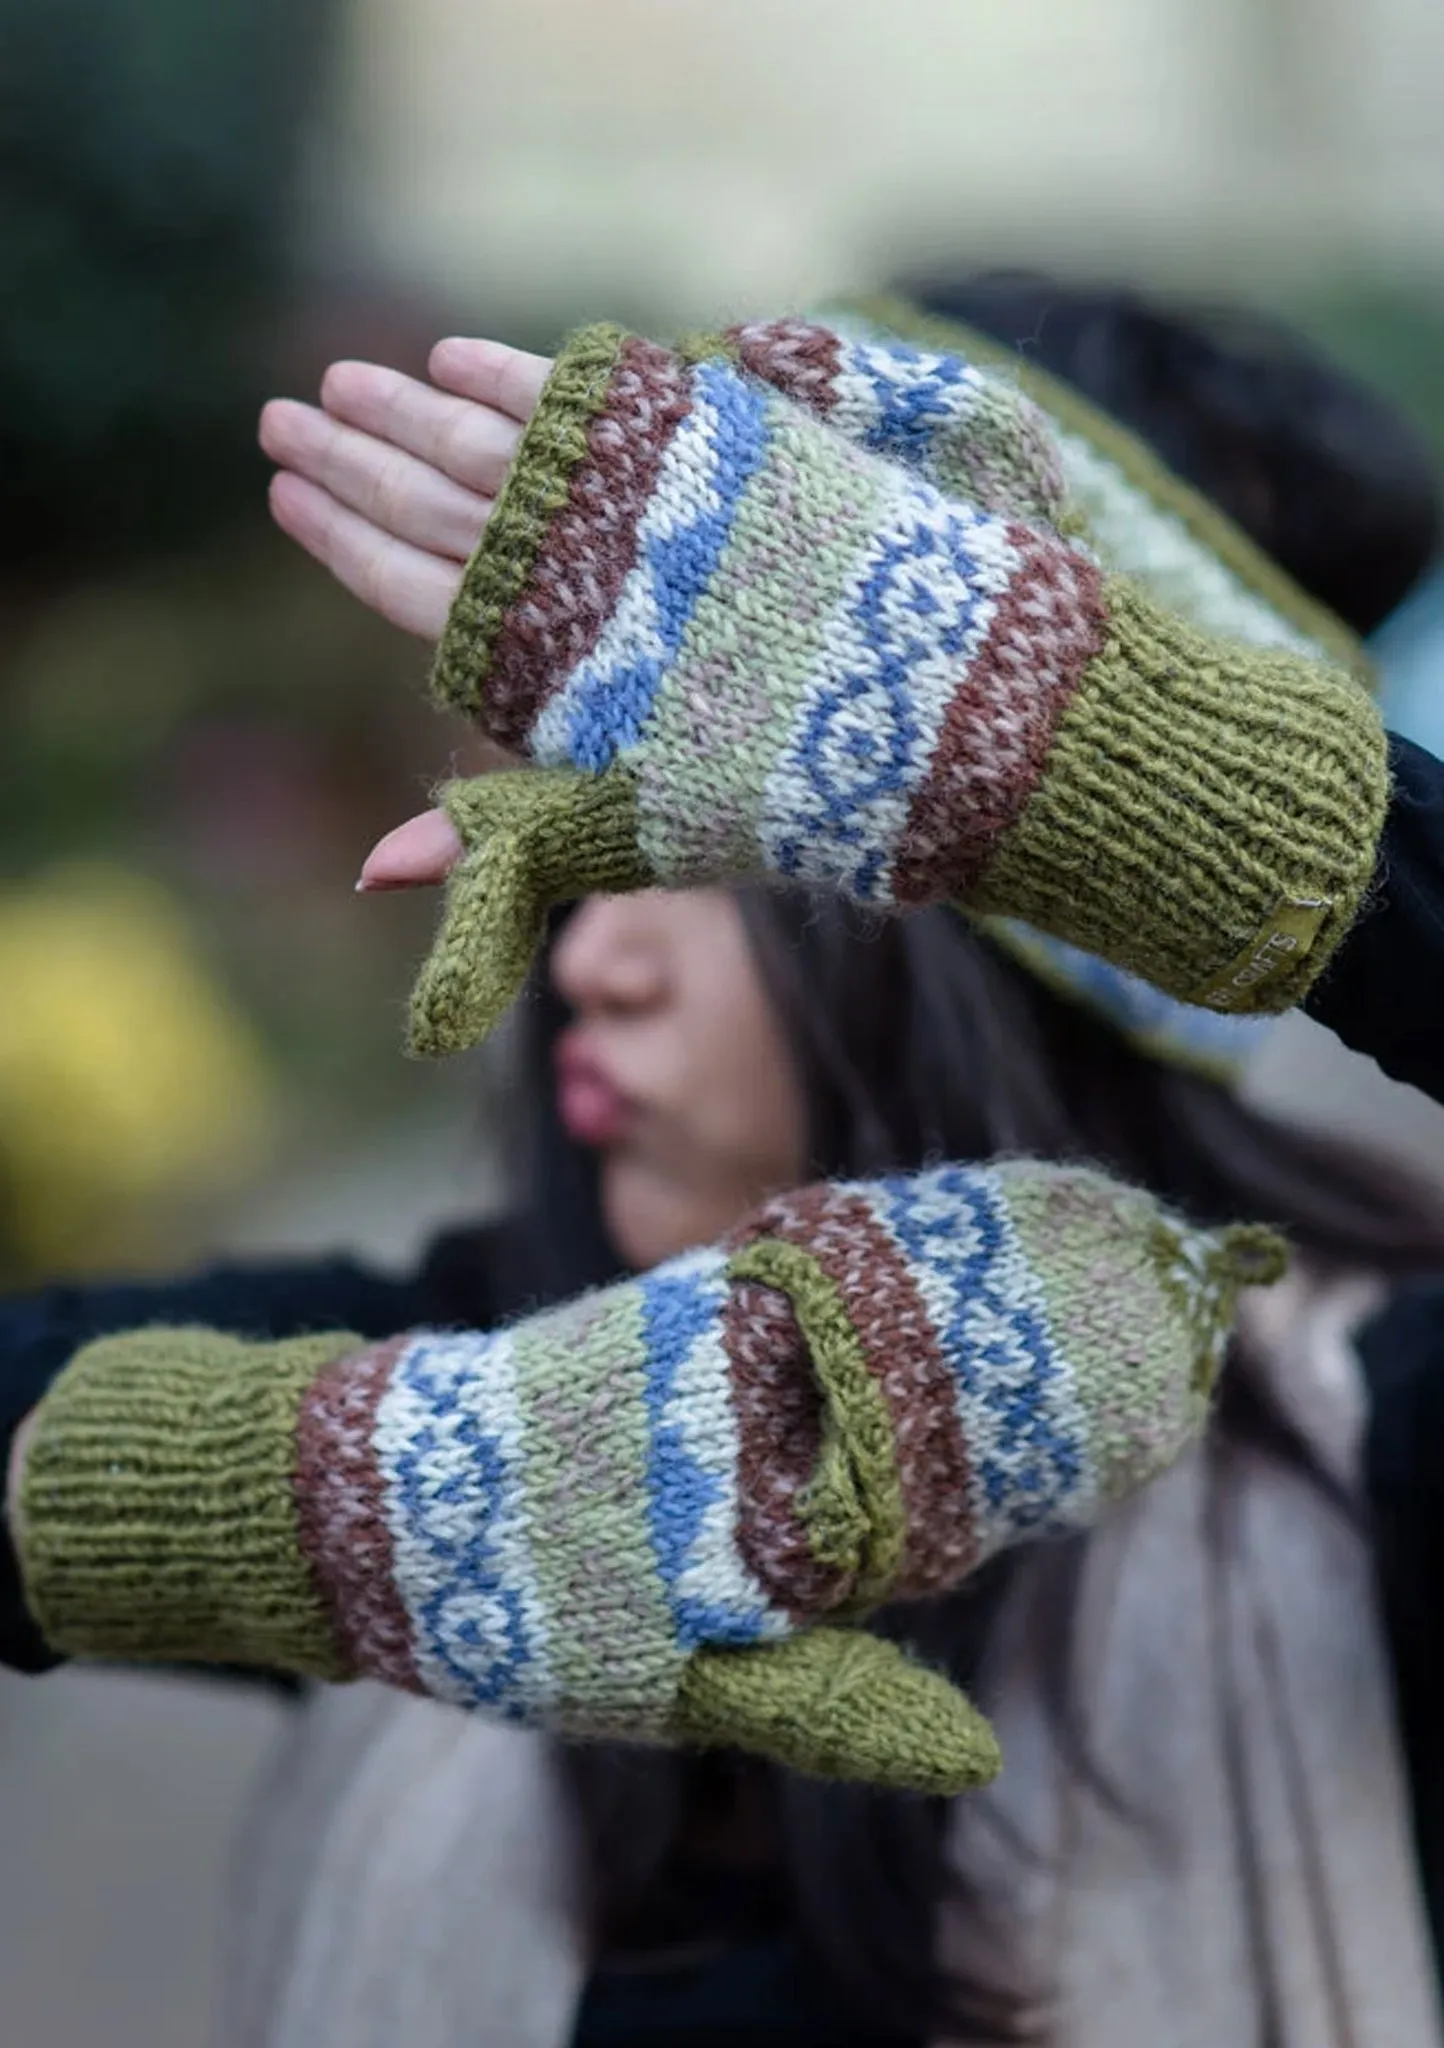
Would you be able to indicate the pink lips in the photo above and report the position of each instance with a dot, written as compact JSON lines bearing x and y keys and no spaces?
{"x":592,"y":1108}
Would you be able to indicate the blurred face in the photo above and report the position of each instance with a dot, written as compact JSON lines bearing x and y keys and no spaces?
{"x":675,"y":1068}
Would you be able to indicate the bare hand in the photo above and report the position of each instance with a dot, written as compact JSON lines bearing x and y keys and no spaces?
{"x":388,"y":483}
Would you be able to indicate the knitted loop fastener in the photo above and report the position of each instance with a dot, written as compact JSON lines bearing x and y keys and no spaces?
{"x":827,"y":610}
{"x":661,"y":1512}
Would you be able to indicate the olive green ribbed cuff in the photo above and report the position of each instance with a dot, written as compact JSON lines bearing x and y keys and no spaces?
{"x":552,"y":447}
{"x":1209,"y":816}
{"x":157,"y":1512}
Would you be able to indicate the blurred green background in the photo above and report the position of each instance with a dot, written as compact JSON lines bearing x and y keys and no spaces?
{"x":201,"y":206}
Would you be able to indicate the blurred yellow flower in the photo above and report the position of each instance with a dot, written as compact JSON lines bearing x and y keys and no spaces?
{"x":128,"y":1083}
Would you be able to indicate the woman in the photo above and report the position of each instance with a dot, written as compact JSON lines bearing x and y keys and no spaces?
{"x":954,"y":1049}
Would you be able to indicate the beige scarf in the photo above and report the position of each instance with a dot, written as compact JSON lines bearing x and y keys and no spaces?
{"x":407,"y":1876}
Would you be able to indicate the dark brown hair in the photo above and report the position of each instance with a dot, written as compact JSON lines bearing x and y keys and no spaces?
{"x":916,"y":1039}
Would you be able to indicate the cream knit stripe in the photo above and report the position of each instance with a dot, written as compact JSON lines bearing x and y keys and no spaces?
{"x":694,"y":1464}
{"x":583,"y":1374}
{"x":751,"y":651}
{"x":449,"y":1447}
{"x":1019,"y":1399}
{"x":603,"y":705}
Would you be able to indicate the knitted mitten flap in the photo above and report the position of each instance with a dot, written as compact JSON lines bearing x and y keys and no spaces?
{"x":787,"y":653}
{"x":659,"y":1512}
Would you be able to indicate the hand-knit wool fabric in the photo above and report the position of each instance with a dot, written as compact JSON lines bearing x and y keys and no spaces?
{"x":885,"y":372}
{"x":627,"y":1517}
{"x":1138,"y":517}
{"x":870,"y":661}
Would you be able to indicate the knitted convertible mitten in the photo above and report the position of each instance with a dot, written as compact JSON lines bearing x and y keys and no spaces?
{"x":627,"y":1517}
{"x":747,"y":643}
{"x":989,"y":426}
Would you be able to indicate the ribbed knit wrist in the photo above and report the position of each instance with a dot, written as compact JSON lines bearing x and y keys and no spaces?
{"x":158,"y":1514}
{"x":1208,"y":816}
{"x":553,"y":448}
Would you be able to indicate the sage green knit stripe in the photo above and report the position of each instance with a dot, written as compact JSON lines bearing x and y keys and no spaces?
{"x":1209,"y":526}
{"x":1097,"y":1278}
{"x":158,"y":1517}
{"x":854,"y":1510}
{"x":725,"y":710}
{"x":709,"y":345}
{"x":581,"y":1388}
{"x":1141,"y":1306}
{"x":553,"y":446}
{"x":1226,"y":781}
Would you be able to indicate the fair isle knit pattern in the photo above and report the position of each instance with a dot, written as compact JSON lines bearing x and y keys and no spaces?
{"x":579,"y":1522}
{"x":764,"y":645}
{"x":963,"y":426}
{"x":1139,"y":518}
{"x":968,"y":428}
{"x":875,"y":721}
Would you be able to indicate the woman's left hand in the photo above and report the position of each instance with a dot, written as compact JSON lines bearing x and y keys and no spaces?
{"x":388,"y":482}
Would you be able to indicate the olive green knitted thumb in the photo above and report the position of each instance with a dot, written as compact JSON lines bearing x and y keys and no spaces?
{"x":533,"y":838}
{"x":839,"y":1704}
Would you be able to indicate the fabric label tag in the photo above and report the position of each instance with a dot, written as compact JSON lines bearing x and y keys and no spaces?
{"x":1289,"y":934}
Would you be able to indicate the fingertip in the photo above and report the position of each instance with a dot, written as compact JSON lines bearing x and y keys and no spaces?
{"x":280,"y":496}
{"x":343,"y":380}
{"x":285,"y":492}
{"x":453,"y":359}
{"x":416,"y":855}
{"x":271,"y":426}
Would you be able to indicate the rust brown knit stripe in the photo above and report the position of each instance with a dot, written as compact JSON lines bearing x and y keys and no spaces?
{"x":852,"y":1247}
{"x":796,"y":357}
{"x":995,"y":742}
{"x":778,"y":1406}
{"x":591,"y":544}
{"x":341,"y":1511}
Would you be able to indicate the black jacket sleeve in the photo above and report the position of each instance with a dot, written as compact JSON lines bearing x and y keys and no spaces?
{"x":1384,"y":991}
{"x":1384,"y":995}
{"x":1403,"y":1358}
{"x":40,"y":1333}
